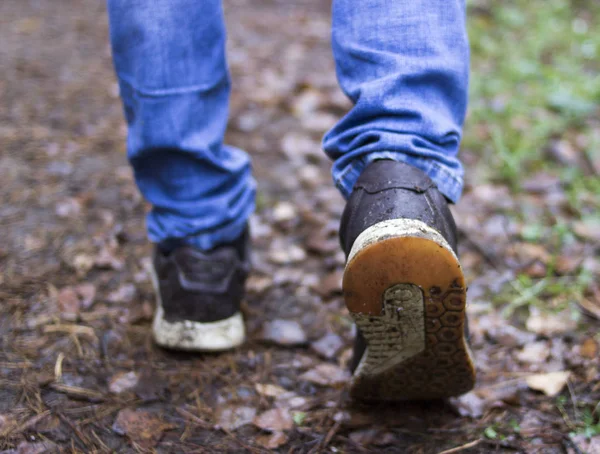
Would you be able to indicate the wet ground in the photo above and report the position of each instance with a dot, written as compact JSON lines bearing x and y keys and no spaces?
{"x":78,"y":370}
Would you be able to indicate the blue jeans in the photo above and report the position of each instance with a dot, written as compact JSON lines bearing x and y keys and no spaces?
{"x":404,"y":64}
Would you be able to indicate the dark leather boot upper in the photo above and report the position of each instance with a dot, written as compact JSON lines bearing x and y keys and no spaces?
{"x":392,"y":190}
{"x":202,"y":286}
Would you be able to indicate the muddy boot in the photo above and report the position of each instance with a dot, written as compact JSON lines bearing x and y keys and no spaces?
{"x":198,"y":296}
{"x":404,"y":287}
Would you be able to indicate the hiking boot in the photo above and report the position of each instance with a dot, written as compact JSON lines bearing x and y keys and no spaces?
{"x":198,"y":296}
{"x":404,"y":287}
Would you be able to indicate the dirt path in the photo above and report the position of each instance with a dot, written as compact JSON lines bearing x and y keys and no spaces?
{"x":78,"y":369}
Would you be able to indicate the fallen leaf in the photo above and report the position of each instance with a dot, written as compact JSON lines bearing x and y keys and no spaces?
{"x":231,"y":418}
{"x":285,"y":254}
{"x":258,"y":284}
{"x":269,"y":390}
{"x":68,"y":301}
{"x":140,"y":426}
{"x":123,"y":381}
{"x":106,"y":260}
{"x":274,"y":420}
{"x":588,"y":230}
{"x":284,"y":212}
{"x":326,"y":375}
{"x":35,"y":448}
{"x":476,"y":403}
{"x":272,"y":441}
{"x":586,"y":444}
{"x":590,"y":307}
{"x":284,"y":332}
{"x":589,"y":348}
{"x":534,"y":353}
{"x":549,"y":324}
{"x":124,"y":294}
{"x":87,"y":293}
{"x":550,"y":384}
{"x":364,"y":437}
{"x":566,"y":265}
{"x":328,"y":346}
{"x":330,"y":285}
{"x":290,"y":400}
{"x":68,"y":208}
{"x":7,"y":423}
{"x":322,"y":243}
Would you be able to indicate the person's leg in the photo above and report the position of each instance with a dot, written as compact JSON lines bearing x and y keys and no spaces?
{"x":405,"y":65}
{"x":169,"y":56}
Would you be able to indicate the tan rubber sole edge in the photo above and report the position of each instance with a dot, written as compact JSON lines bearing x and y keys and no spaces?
{"x":193,"y":336}
{"x":404,"y":287}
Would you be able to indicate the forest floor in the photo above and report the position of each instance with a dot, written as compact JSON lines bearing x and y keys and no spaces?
{"x":78,"y":369}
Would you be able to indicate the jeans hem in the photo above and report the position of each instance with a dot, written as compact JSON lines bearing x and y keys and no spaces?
{"x":448,"y":182}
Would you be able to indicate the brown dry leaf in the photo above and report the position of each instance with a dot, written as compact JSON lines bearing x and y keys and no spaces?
{"x":140,"y":426}
{"x":549,"y":324}
{"x":87,"y":293}
{"x":588,"y":230}
{"x":230,"y":418}
{"x":269,"y":390}
{"x":330,"y":285}
{"x":321,"y":243}
{"x":530,"y":252}
{"x":589,"y":348}
{"x":123,"y":381}
{"x":587,"y":445}
{"x":258,"y":284}
{"x":275,"y":420}
{"x":68,"y":301}
{"x":328,"y":345}
{"x":272,"y":441}
{"x":566,"y":264}
{"x":592,"y":308}
{"x":364,"y":437}
{"x":326,"y":375}
{"x":43,"y":447}
{"x":284,"y":332}
{"x":476,"y":403}
{"x":550,"y":384}
{"x":536,"y":270}
{"x":7,"y":423}
{"x":105,"y":259}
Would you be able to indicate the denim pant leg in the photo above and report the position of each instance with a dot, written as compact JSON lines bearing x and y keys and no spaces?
{"x":405,"y":66}
{"x":169,"y":57}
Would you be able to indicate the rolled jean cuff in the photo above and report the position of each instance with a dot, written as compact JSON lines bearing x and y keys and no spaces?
{"x":449,"y":181}
{"x":208,"y":240}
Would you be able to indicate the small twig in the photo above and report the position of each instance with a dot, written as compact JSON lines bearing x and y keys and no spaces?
{"x":70,"y":329}
{"x":80,"y":436}
{"x":330,"y":435}
{"x":193,"y":418}
{"x":58,"y":367}
{"x":77,"y":392}
{"x":471,"y":444}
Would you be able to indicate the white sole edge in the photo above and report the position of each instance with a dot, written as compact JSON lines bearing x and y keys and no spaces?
{"x":196,"y":336}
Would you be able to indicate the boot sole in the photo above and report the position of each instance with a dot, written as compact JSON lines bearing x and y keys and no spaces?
{"x":188,"y":335}
{"x":405,"y":289}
